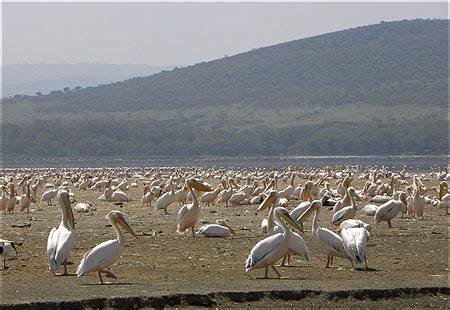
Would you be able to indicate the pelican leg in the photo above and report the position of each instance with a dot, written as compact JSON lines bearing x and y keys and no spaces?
{"x":283,"y":262}
{"x":266,"y":274}
{"x":331,"y":264}
{"x":328,"y":262}
{"x":65,"y":273}
{"x":276,"y":271}
{"x":389,"y":224}
{"x":365,"y":260}
{"x":100,"y":276}
{"x":165,"y":211}
{"x":193,"y":231}
{"x":351,"y":261}
{"x":289,"y":259}
{"x":108,"y":273}
{"x":4,"y":264}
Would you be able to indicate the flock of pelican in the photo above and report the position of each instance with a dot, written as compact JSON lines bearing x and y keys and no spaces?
{"x":384,"y":195}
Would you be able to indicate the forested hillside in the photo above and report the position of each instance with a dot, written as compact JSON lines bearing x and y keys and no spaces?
{"x":380,"y":89}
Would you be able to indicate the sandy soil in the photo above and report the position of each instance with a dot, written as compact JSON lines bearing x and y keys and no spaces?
{"x":412,"y":254}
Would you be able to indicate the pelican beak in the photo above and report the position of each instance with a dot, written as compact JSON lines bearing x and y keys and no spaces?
{"x":285,"y":215}
{"x":307,"y":213}
{"x":121,"y":221}
{"x":270,"y":199}
{"x":14,"y":247}
{"x":200,"y":186}
{"x":231,"y":229}
{"x":69,"y":212}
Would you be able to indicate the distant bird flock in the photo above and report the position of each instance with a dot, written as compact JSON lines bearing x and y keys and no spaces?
{"x":386,"y":194}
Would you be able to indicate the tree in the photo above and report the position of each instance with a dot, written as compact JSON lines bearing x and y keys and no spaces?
{"x":38,"y":93}
{"x":66,"y":89}
{"x":77,"y":87}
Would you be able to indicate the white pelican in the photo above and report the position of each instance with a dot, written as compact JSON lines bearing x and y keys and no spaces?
{"x":83,"y":207}
{"x":11,"y":201}
{"x":296,"y":243}
{"x":417,"y":203}
{"x":210,"y":197}
{"x":148,"y":196}
{"x":218,"y":230}
{"x":226,"y":194}
{"x":189,"y":214}
{"x":108,"y":252}
{"x":369,"y":210}
{"x":62,"y":239}
{"x":25,"y":200}
{"x":5,"y":248}
{"x":271,"y":249}
{"x":166,"y":199}
{"x":327,"y":241}
{"x":355,"y":244}
{"x":387,"y":211}
{"x":347,"y":212}
{"x":112,"y":195}
{"x":288,"y":191}
{"x":49,"y":195}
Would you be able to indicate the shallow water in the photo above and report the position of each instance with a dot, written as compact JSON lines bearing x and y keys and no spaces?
{"x":393,"y":162}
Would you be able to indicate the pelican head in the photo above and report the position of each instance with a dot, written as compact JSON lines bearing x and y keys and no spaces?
{"x":198,"y":185}
{"x":270,"y":200}
{"x":315,"y":206}
{"x":64,"y":201}
{"x":284,"y":214}
{"x":117,"y":217}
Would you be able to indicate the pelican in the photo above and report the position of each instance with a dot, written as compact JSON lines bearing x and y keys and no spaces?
{"x":83,"y":207}
{"x":327,"y":241}
{"x":166,"y":199}
{"x":25,"y":200}
{"x":271,"y":249}
{"x":296,"y":243}
{"x":219,"y":230}
{"x":380,"y":199}
{"x":108,"y":252}
{"x":226,"y":194}
{"x":417,"y":203}
{"x":210,"y":197}
{"x":347,"y":212}
{"x":62,"y":239}
{"x":190,"y":213}
{"x":369,"y":210}
{"x":11,"y":201}
{"x":387,"y":211}
{"x":147,"y":197}
{"x":49,"y":195}
{"x":355,"y":244}
{"x":288,"y":191}
{"x":5,"y":248}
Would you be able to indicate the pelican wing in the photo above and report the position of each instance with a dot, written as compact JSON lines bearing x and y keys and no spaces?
{"x":101,"y":256}
{"x":298,"y":246}
{"x":51,"y":250}
{"x":263,"y":249}
{"x":340,"y":215}
{"x":331,"y":241}
{"x":182,"y":213}
{"x":66,"y":241}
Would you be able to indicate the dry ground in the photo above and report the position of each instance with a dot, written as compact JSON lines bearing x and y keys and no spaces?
{"x":412,"y":254}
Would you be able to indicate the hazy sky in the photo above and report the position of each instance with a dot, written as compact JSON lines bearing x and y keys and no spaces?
{"x":177,"y":33}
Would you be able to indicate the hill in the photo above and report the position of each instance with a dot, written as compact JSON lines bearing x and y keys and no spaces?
{"x":28,"y":79}
{"x":379,"y":89}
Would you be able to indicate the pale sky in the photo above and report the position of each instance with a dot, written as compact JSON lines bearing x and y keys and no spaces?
{"x":177,"y":33}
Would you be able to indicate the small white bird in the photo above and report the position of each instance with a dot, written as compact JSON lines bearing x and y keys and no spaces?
{"x":5,"y":248}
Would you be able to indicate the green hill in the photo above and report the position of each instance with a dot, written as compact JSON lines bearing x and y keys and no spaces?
{"x":379,"y":89}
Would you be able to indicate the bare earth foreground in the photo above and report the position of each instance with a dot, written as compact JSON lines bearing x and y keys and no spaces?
{"x":413,"y":254}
